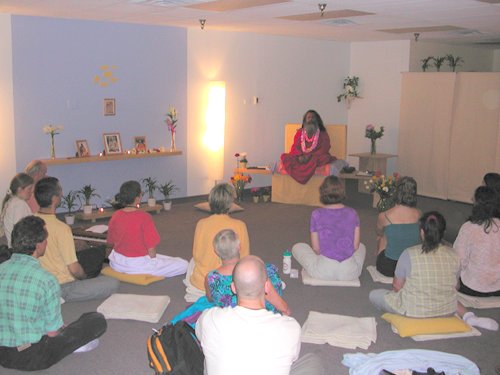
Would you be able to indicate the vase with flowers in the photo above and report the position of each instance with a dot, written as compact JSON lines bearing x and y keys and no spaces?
{"x":384,"y":187}
{"x":52,"y":130}
{"x":239,"y":180}
{"x":373,"y":135}
{"x":171,"y":122}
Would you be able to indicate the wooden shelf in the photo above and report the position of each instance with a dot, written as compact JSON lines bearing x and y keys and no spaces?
{"x":96,"y":159}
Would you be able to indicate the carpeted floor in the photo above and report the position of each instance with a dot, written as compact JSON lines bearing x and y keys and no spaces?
{"x":272,"y":228}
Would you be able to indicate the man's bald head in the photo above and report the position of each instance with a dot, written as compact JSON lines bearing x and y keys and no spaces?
{"x":249,"y":278}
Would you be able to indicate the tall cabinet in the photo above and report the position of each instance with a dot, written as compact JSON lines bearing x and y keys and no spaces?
{"x":449,"y":133}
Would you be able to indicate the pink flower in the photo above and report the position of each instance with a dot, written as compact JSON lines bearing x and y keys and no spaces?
{"x":237,"y":155}
{"x":370,"y":127}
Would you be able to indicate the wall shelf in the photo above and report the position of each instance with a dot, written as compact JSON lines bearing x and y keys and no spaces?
{"x":96,"y":159}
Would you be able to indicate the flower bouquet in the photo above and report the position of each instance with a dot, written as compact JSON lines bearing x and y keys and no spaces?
{"x":239,"y":180}
{"x":373,"y":135}
{"x":52,"y":130}
{"x":171,"y":122}
{"x":385,"y":187}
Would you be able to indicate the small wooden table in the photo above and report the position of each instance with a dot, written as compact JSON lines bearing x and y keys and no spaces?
{"x":373,"y":163}
{"x":108,"y":212}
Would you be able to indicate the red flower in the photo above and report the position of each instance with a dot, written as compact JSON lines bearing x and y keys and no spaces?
{"x":237,"y":155}
{"x":378,"y":173}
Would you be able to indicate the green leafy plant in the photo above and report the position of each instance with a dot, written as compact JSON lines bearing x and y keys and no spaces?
{"x":167,"y":188}
{"x":453,"y":62}
{"x":69,"y":201}
{"x":438,"y":62}
{"x":426,"y":62}
{"x":87,"y":193}
{"x":151,"y":185}
{"x":350,"y":87}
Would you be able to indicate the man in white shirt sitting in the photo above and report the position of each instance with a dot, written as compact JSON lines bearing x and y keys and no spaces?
{"x":248,"y":339}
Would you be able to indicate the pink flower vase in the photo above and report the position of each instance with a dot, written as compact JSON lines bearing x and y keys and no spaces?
{"x":172,"y":142}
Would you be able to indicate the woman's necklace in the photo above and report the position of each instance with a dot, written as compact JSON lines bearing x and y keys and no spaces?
{"x":313,"y":139}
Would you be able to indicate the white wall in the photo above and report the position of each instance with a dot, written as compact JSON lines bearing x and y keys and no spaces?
{"x":476,"y":59}
{"x":288,"y":75}
{"x":7,"y":140}
{"x":378,"y":66}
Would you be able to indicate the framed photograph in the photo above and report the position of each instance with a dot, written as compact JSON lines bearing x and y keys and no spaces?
{"x":140,"y":144}
{"x":112,"y":143}
{"x":82,"y":148}
{"x":109,"y":106}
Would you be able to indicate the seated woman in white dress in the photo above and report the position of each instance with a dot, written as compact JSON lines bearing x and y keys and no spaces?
{"x":134,"y":237}
{"x":15,"y":205}
{"x":335,"y":252}
{"x":425,"y":279}
{"x":478,"y":246}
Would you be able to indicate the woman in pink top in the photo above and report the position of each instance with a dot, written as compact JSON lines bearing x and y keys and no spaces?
{"x":134,"y":237}
{"x":478,"y":245}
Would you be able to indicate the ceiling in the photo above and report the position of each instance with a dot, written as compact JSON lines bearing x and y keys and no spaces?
{"x":451,"y":21}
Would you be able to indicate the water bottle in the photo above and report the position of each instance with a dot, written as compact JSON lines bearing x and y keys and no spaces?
{"x":287,"y":261}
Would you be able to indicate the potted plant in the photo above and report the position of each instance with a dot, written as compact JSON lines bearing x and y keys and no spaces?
{"x":69,"y":201}
{"x":151,"y":186}
{"x":438,"y":62}
{"x":266,"y":194}
{"x":87,"y":193}
{"x":255,"y":194}
{"x":425,"y":63}
{"x":453,"y":62}
{"x":166,"y":189}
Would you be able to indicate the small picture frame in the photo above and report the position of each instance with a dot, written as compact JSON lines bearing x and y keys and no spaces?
{"x":112,"y":143}
{"x":109,"y":107}
{"x":82,"y":148}
{"x":140,"y":145}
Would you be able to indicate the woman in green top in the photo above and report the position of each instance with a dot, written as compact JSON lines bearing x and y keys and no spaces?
{"x":397,"y":228}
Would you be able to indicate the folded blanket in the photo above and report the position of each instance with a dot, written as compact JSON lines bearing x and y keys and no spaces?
{"x":377,"y":276}
{"x":308,"y":280}
{"x":415,"y":359}
{"x":134,"y":307}
{"x":339,"y":330}
{"x":472,"y":332}
{"x":479,"y":302}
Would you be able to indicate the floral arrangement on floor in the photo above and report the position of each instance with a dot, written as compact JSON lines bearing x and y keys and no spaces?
{"x":384,"y":186}
{"x":373,"y":135}
{"x":350,"y":89}
{"x":171,"y":122}
{"x":255,"y":191}
{"x":239,"y":180}
{"x":52,"y":130}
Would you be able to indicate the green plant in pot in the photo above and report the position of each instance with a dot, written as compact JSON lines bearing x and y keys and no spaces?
{"x":68,"y":201}
{"x":166,"y":189}
{"x":87,"y":192}
{"x":151,"y":185}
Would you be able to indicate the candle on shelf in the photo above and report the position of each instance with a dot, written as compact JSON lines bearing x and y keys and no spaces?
{"x":100,"y":154}
{"x":101,"y":209}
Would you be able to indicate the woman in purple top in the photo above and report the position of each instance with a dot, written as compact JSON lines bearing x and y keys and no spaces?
{"x":335,"y":252}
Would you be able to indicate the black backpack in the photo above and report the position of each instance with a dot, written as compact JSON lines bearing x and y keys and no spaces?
{"x":175,"y":350}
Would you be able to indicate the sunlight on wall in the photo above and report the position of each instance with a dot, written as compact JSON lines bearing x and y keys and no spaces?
{"x":215,"y":116}
{"x":213,"y":137}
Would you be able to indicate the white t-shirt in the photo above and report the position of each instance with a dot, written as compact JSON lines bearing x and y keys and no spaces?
{"x":15,"y":210}
{"x":244,"y":341}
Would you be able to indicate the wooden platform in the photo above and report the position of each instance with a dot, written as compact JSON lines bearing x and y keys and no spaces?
{"x":108,"y":212}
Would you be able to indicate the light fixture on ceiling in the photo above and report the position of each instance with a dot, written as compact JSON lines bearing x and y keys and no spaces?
{"x":202,"y":23}
{"x":416,"y":35}
{"x":322,"y":7}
